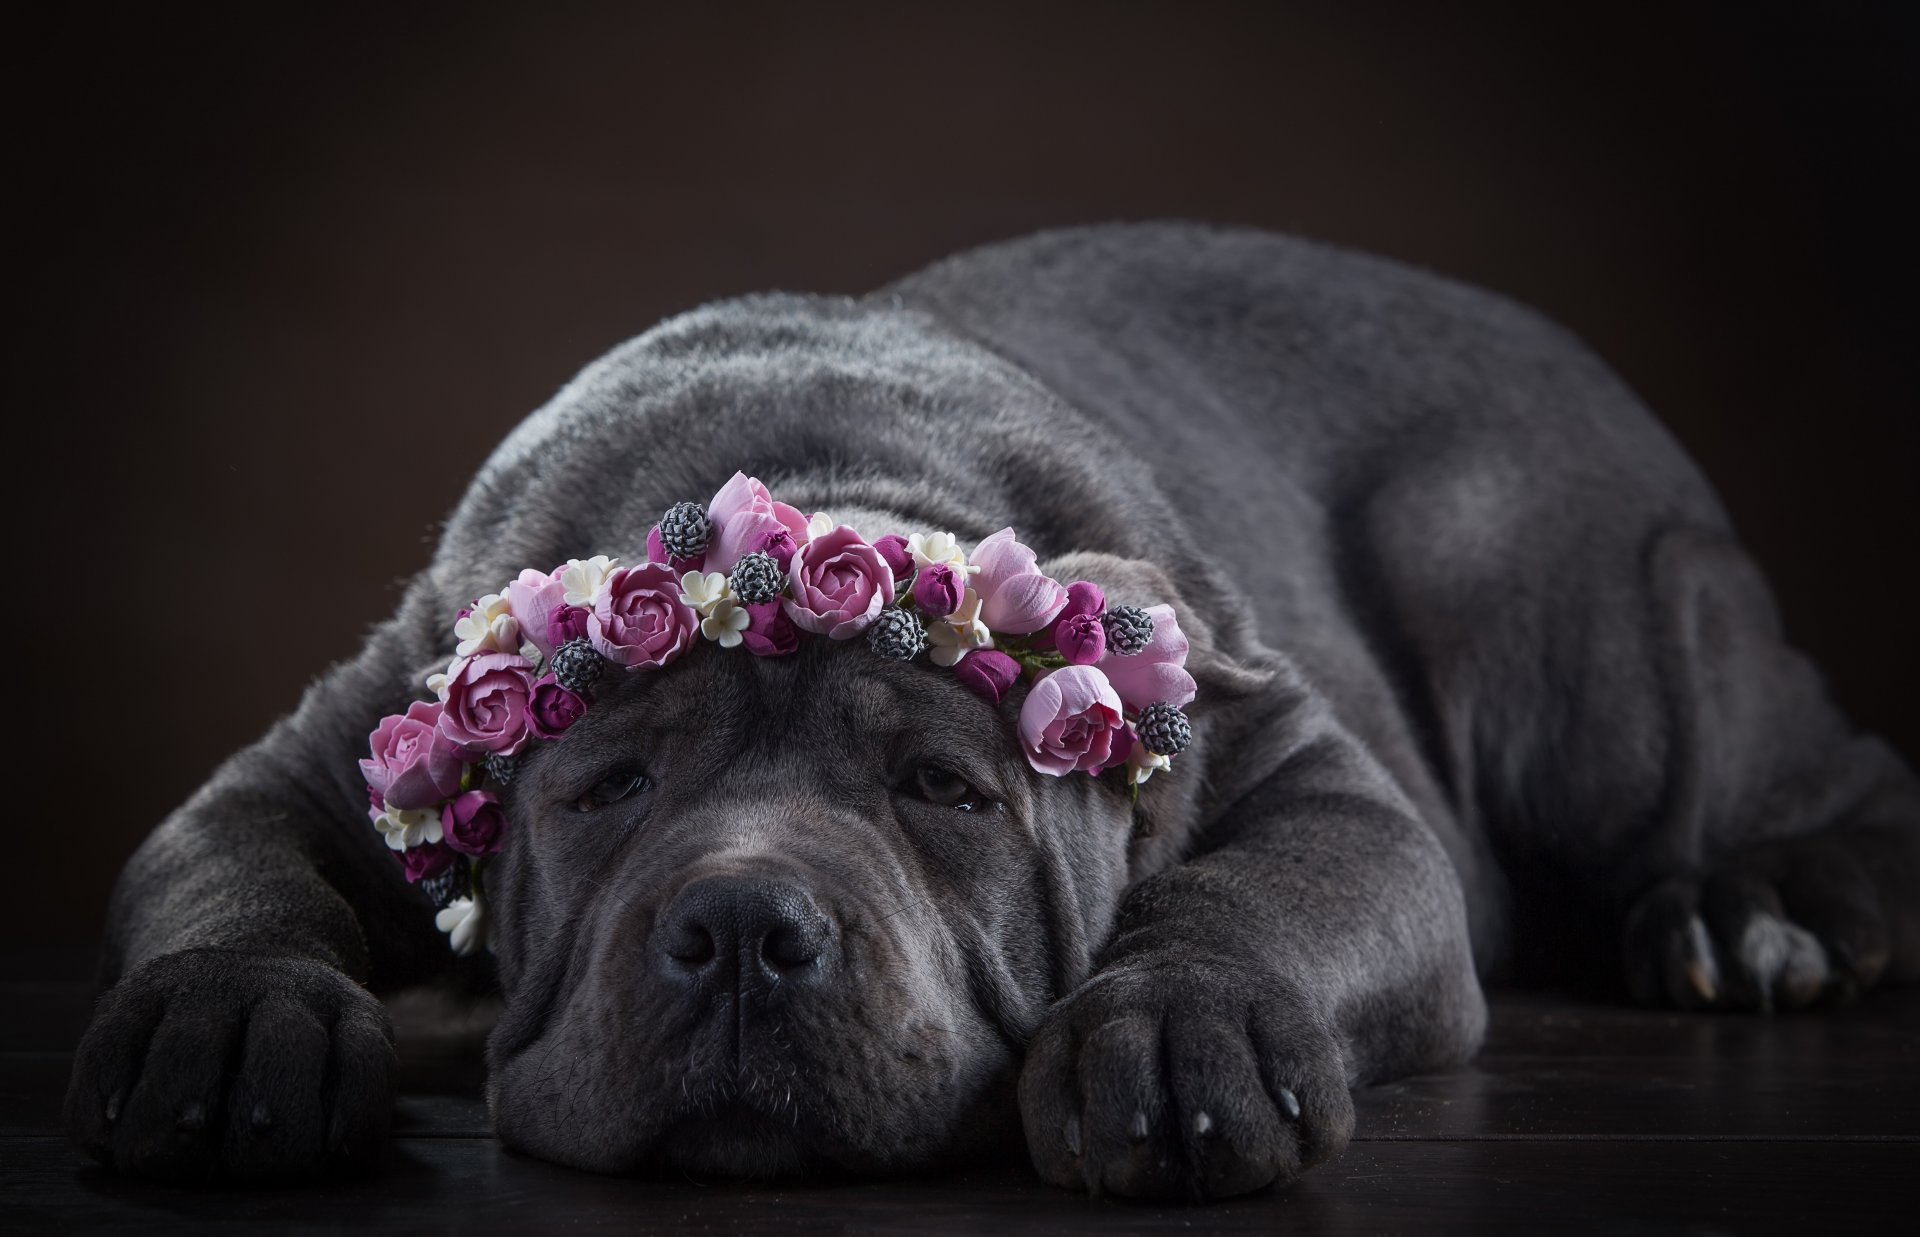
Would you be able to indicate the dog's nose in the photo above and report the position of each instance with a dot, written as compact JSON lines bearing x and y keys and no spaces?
{"x":770,"y":930}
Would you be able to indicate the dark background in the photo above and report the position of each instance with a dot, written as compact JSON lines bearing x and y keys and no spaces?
{"x":280,"y":279}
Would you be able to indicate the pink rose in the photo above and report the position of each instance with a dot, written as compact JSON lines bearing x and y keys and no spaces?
{"x":938,"y":590}
{"x":988,"y":674}
{"x":1015,"y":597}
{"x":839,"y":584}
{"x":413,"y":765}
{"x":473,"y":824}
{"x":657,"y":553}
{"x":533,"y":599}
{"x":894,"y":548}
{"x":551,"y":709}
{"x":425,"y":861}
{"x":638,"y":619}
{"x":1157,"y":672}
{"x":1070,"y":720}
{"x":742,"y":513}
{"x":486,"y":704}
{"x":769,"y":633}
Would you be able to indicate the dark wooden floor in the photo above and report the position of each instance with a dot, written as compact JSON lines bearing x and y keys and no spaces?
{"x":1578,"y":1117}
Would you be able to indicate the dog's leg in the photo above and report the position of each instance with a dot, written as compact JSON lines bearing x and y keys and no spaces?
{"x":1318,"y":941}
{"x":238,"y":1040}
{"x":1787,"y":867}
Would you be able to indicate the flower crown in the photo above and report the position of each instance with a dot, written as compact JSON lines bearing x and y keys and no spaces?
{"x":1107,"y":683}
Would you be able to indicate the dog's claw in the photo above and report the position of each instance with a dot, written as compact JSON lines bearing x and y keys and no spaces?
{"x":1289,"y":1104}
{"x":1138,"y":1130}
{"x":262,"y":1116}
{"x":1202,"y":1124}
{"x":1073,"y":1135}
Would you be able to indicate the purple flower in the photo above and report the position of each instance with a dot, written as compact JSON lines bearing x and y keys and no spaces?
{"x":893,"y":549}
{"x":988,"y":674}
{"x":779,"y":543}
{"x":938,"y":590}
{"x":1015,"y":596}
{"x":413,"y":764}
{"x":486,"y":703}
{"x":1070,"y":720}
{"x":1080,"y":638}
{"x":565,"y":624}
{"x":839,"y":584}
{"x":638,"y":620}
{"x":552,"y":708}
{"x":1156,"y":672}
{"x":425,"y":861}
{"x":533,"y":599}
{"x":769,"y":632}
{"x":743,"y":513}
{"x":473,"y":824}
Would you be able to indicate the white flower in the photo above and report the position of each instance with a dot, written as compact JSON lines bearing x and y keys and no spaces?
{"x":931,"y":548}
{"x":582,"y":578}
{"x":487,"y":628}
{"x":1143,"y":764}
{"x":959,"y":634}
{"x":406,"y":828}
{"x":705,"y":593}
{"x":820,"y":525}
{"x":725,"y":623}
{"x":464,"y":920}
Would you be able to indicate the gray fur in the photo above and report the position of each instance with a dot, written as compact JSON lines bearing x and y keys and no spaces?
{"x":1480,"y":664}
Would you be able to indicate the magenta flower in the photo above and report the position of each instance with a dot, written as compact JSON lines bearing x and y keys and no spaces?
{"x":839,"y":584}
{"x":1070,"y":720}
{"x":893,"y":548}
{"x":425,"y":861}
{"x":1015,"y":596}
{"x":638,"y":620}
{"x":486,"y":703}
{"x":988,"y":674}
{"x":413,"y":764}
{"x":473,"y":824}
{"x":551,"y":709}
{"x":1080,"y":638}
{"x":769,"y":632}
{"x":743,"y":513}
{"x":938,"y":590}
{"x":1156,"y":672}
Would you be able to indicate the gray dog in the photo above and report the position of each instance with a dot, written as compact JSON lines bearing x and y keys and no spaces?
{"x":1479,"y":663}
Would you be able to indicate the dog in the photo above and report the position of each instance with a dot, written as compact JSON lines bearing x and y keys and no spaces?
{"x":1484,"y":686}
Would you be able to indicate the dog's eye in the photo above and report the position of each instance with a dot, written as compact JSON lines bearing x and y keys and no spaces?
{"x":612,"y":788}
{"x":943,"y":786}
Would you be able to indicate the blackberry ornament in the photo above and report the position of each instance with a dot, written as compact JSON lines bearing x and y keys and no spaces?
{"x":576,"y":666}
{"x":757,"y":578}
{"x":1129,"y":629}
{"x":684,"y":530}
{"x":897,"y":633}
{"x":454,"y":883}
{"x":1163,"y":729}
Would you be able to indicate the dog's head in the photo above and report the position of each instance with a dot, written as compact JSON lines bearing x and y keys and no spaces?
{"x":764,"y":915}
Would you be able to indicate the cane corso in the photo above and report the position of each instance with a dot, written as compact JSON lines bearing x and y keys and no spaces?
{"x":1486,"y":686}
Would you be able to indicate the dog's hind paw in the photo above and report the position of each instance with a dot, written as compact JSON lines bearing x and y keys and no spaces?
{"x":1783,"y":929}
{"x":209,"y":1065}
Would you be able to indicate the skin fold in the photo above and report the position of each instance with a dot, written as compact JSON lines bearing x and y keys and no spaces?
{"x":1487,"y":687}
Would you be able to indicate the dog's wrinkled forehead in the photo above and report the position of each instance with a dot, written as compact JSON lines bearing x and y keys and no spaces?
{"x":832,"y":713}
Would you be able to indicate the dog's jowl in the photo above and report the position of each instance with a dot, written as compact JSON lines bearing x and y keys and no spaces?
{"x":1125,"y":687}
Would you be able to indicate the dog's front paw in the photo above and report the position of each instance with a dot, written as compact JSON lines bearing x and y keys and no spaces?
{"x":207,"y":1065}
{"x":1193,"y":1081}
